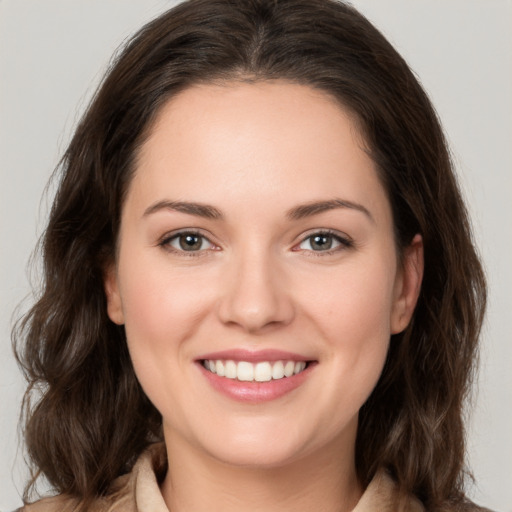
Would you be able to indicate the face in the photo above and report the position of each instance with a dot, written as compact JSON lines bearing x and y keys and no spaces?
{"x":257,"y":275}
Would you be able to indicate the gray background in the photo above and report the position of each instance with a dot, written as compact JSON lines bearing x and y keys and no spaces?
{"x":52,"y":54}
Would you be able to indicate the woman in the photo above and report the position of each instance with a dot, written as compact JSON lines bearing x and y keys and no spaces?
{"x":261,"y":288}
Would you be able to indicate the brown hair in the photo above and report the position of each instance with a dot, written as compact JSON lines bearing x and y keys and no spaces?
{"x":88,"y":418}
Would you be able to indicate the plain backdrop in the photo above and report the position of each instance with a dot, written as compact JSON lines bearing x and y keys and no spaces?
{"x":52,"y":55}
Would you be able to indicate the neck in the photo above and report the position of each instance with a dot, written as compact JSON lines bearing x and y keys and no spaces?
{"x":325,"y":481}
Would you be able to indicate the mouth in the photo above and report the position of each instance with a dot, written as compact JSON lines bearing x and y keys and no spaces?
{"x":255,"y":376}
{"x":262,"y":371}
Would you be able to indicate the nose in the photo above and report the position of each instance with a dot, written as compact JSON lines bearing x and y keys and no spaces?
{"x":256,"y":296}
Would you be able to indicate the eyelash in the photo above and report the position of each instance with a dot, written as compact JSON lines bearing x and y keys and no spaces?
{"x":345,"y":243}
{"x":165,"y":243}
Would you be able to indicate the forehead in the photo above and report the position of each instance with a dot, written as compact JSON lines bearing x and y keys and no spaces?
{"x":246,"y":108}
{"x":274,"y":140}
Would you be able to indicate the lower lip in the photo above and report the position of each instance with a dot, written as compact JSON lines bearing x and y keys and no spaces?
{"x":256,"y":392}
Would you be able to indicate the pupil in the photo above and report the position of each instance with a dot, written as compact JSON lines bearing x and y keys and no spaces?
{"x":190,"y":242}
{"x":321,"y":242}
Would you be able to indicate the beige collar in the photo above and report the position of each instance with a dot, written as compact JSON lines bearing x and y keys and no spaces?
{"x":380,"y":495}
{"x":139,"y":491}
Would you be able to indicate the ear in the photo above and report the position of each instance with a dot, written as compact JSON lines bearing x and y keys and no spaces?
{"x":407,"y":285}
{"x":114,"y":303}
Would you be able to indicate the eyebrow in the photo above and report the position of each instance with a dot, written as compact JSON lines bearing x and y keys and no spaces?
{"x":198,"y":209}
{"x":316,"y":207}
{"x":296,"y":213}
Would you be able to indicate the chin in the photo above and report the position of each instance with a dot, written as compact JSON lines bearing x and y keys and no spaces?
{"x":254,"y":456}
{"x":263,"y":448}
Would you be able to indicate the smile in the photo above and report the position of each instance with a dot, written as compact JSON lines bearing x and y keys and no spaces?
{"x":263,"y":371}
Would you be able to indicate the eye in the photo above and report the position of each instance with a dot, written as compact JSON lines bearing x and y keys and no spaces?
{"x":324,"y":242}
{"x":187,"y":242}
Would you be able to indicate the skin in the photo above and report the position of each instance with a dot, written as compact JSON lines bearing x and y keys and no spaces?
{"x":256,"y":152}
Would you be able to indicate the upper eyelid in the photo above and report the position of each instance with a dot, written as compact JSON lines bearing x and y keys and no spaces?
{"x":345,"y":243}
{"x":340,"y":236}
{"x":165,"y":243}
{"x":185,"y":231}
{"x":343,"y":237}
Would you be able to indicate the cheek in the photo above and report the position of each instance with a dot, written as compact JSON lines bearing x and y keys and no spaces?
{"x":157,"y":297}
{"x":162,"y":311}
{"x":351,"y":310}
{"x":353,"y":302}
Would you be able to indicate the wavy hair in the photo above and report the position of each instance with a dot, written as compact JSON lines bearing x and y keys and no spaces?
{"x":86,"y":416}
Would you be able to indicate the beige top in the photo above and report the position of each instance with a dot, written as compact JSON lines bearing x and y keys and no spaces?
{"x":139,"y":491}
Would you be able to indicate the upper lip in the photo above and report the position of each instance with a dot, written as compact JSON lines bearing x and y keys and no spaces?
{"x":254,"y":356}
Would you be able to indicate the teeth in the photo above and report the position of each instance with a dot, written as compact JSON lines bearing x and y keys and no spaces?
{"x":262,"y":372}
{"x":278,"y":370}
{"x":230,"y":368}
{"x":289,"y":367}
{"x":299,"y":366}
{"x":219,"y":369}
{"x":245,"y":371}
{"x":259,"y":372}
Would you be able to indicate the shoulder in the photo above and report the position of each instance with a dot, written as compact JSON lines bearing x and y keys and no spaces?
{"x":382,"y":494}
{"x":128,"y":493}
{"x":118,"y":498}
{"x":51,"y":504}
{"x":62,"y":503}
